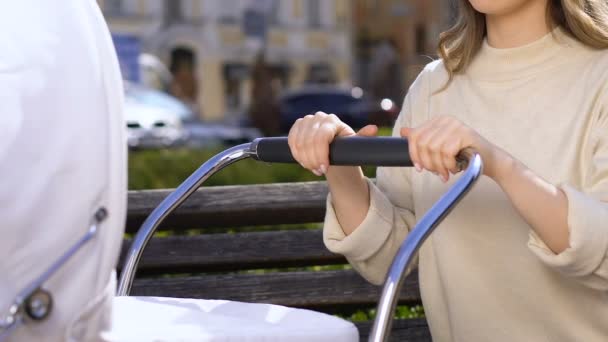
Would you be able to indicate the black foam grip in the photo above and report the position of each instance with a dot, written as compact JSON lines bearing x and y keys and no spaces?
{"x":355,"y":151}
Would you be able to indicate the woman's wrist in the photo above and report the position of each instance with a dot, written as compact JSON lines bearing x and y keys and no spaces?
{"x":347,"y":183}
{"x":350,"y":195}
{"x":500,"y":166}
{"x":344,"y":175}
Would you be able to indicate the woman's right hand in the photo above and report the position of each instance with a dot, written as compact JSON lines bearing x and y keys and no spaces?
{"x":310,"y":136}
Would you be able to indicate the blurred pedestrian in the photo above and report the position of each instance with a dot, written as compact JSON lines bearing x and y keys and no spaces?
{"x":184,"y":84}
{"x":264,"y":110}
{"x":385,"y":72}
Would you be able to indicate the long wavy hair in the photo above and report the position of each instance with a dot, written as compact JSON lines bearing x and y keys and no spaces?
{"x":585,"y":20}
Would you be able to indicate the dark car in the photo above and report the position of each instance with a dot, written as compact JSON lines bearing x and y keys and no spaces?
{"x":350,"y":105}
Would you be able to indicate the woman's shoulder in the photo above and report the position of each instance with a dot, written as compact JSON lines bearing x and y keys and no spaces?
{"x":434,"y":71}
{"x":587,"y":57}
{"x":436,"y":68}
{"x":599,"y":60}
{"x":432,"y":77}
{"x":592,"y":65}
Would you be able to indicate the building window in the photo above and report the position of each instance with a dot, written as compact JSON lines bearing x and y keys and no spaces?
{"x":229,"y":11}
{"x":192,"y":9}
{"x":314,"y":13}
{"x":235,"y":75}
{"x":113,"y":6}
{"x":173,"y":12}
{"x":183,"y":66}
{"x":274,"y":13}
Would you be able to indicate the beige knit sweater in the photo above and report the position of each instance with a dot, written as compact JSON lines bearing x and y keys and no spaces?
{"x":484,"y":275}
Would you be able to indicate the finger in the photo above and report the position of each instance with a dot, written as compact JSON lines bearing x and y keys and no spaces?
{"x":293,"y":141}
{"x":303,"y":143}
{"x":311,"y":146}
{"x":322,"y":140}
{"x":421,"y":147}
{"x":445,"y":136}
{"x":436,"y":141}
{"x":315,"y":135}
{"x":412,"y":135}
{"x":342,"y":129}
{"x":368,"y":131}
{"x":450,"y":151}
{"x":467,"y":140}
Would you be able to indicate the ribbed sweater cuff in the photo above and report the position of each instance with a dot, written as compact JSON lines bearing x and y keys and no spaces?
{"x":369,"y":236}
{"x":588,"y":226}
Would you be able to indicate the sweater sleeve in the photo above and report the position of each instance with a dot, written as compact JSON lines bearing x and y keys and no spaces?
{"x":371,"y":247}
{"x":586,"y":259}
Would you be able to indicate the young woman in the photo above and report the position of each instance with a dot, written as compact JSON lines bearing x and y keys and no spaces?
{"x":523,"y":257}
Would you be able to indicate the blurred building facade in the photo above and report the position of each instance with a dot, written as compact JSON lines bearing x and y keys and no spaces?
{"x":210,"y":52}
{"x":405,"y":30}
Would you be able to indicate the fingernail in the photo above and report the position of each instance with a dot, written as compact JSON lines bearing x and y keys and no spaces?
{"x":317,"y":173}
{"x":417,"y":166}
{"x":444,"y":179}
{"x":323,"y":169}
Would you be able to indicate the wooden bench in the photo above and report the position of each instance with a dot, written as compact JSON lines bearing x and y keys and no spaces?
{"x":199,"y":257}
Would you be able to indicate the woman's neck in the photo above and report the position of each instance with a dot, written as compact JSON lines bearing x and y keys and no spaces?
{"x":519,"y":26}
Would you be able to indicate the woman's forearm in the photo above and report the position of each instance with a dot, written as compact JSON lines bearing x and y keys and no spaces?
{"x":543,"y":205}
{"x":350,"y":195}
{"x":434,"y":146}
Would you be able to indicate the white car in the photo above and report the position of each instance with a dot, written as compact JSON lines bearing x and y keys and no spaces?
{"x":149,"y":126}
{"x":149,"y":123}
{"x":156,"y":119}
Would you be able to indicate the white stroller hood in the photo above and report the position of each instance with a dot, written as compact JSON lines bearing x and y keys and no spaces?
{"x":62,"y":156}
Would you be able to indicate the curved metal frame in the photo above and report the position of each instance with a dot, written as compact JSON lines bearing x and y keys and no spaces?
{"x":386,"y":307}
{"x":169,"y":204}
{"x":396,"y":274}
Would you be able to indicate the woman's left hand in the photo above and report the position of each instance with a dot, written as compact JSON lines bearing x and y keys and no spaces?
{"x":434,"y":145}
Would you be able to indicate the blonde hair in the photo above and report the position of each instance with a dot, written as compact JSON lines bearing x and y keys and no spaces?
{"x":585,"y":20}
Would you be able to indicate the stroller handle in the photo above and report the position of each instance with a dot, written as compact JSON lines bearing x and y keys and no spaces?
{"x":356,"y":151}
{"x":353,"y":151}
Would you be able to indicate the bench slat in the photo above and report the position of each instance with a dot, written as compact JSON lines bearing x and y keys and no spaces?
{"x":234,"y":206}
{"x":403,"y":330}
{"x":241,"y":251}
{"x":298,"y":289}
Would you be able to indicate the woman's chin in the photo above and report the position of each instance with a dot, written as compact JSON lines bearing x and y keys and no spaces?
{"x":497,"y":7}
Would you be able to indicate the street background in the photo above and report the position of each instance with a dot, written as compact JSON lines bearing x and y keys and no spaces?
{"x":201,"y":75}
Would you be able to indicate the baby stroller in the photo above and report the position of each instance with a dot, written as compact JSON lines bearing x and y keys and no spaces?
{"x":242,"y":321}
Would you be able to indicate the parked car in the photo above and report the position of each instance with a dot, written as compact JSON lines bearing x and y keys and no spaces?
{"x":156,"y":119}
{"x":351,"y":105}
{"x":200,"y":134}
{"x":158,"y":99}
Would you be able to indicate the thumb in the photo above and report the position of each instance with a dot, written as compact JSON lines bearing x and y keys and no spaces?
{"x":368,"y":131}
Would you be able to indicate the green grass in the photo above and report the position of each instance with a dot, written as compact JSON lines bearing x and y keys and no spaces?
{"x":161,"y":169}
{"x":402,"y":312}
{"x":157,"y":169}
